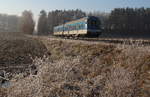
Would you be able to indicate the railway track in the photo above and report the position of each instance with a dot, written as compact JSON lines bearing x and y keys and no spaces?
{"x":123,"y":41}
{"x":140,"y":42}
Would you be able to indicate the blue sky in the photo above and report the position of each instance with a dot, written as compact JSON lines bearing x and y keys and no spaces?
{"x":17,"y":6}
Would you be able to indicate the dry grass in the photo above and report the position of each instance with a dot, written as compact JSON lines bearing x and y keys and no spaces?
{"x":3,"y":92}
{"x":67,"y":78}
{"x":19,"y":50}
{"x":77,"y":69}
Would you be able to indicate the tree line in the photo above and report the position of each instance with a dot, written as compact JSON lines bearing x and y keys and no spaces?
{"x":122,"y":22}
{"x":129,"y":22}
{"x":45,"y":24}
{"x":21,"y":24}
{"x":9,"y":23}
{"x":47,"y":21}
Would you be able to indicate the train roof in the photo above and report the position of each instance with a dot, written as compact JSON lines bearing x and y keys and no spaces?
{"x":78,"y":20}
{"x":81,"y":19}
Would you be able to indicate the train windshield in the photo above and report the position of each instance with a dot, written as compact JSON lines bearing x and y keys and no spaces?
{"x":94,"y":23}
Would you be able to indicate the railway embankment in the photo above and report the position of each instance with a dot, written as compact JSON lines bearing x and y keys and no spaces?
{"x":75,"y":68}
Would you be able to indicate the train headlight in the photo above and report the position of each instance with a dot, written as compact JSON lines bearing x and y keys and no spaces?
{"x":86,"y":26}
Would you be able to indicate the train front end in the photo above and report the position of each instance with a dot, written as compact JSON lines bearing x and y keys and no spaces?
{"x":93,"y":27}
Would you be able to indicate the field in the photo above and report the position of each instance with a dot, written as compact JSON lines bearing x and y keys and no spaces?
{"x":74,"y":68}
{"x":17,"y":52}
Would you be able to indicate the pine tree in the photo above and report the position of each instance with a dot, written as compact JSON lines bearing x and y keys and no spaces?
{"x":43,"y":23}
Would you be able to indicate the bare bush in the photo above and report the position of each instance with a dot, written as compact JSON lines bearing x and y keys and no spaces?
{"x":65,"y":78}
{"x":86,"y":70}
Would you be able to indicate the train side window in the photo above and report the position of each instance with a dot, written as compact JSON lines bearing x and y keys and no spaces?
{"x":74,"y":28}
{"x":69,"y":28}
{"x":79,"y":27}
{"x":82,"y":26}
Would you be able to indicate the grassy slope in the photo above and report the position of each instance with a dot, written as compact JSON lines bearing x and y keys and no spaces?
{"x":95,"y":59}
{"x":83,"y":69}
{"x":18,"y":50}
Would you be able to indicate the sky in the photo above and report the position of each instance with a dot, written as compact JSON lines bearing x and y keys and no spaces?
{"x":16,"y":7}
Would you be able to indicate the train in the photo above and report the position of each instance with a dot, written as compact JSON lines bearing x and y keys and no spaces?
{"x":89,"y":26}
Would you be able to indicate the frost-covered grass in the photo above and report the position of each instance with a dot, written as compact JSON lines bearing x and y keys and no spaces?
{"x":78,"y":69}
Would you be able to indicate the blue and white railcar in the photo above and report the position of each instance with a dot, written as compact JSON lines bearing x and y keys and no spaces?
{"x":89,"y":26}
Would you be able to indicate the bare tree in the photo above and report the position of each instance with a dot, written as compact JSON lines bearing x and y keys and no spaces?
{"x":27,"y":22}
